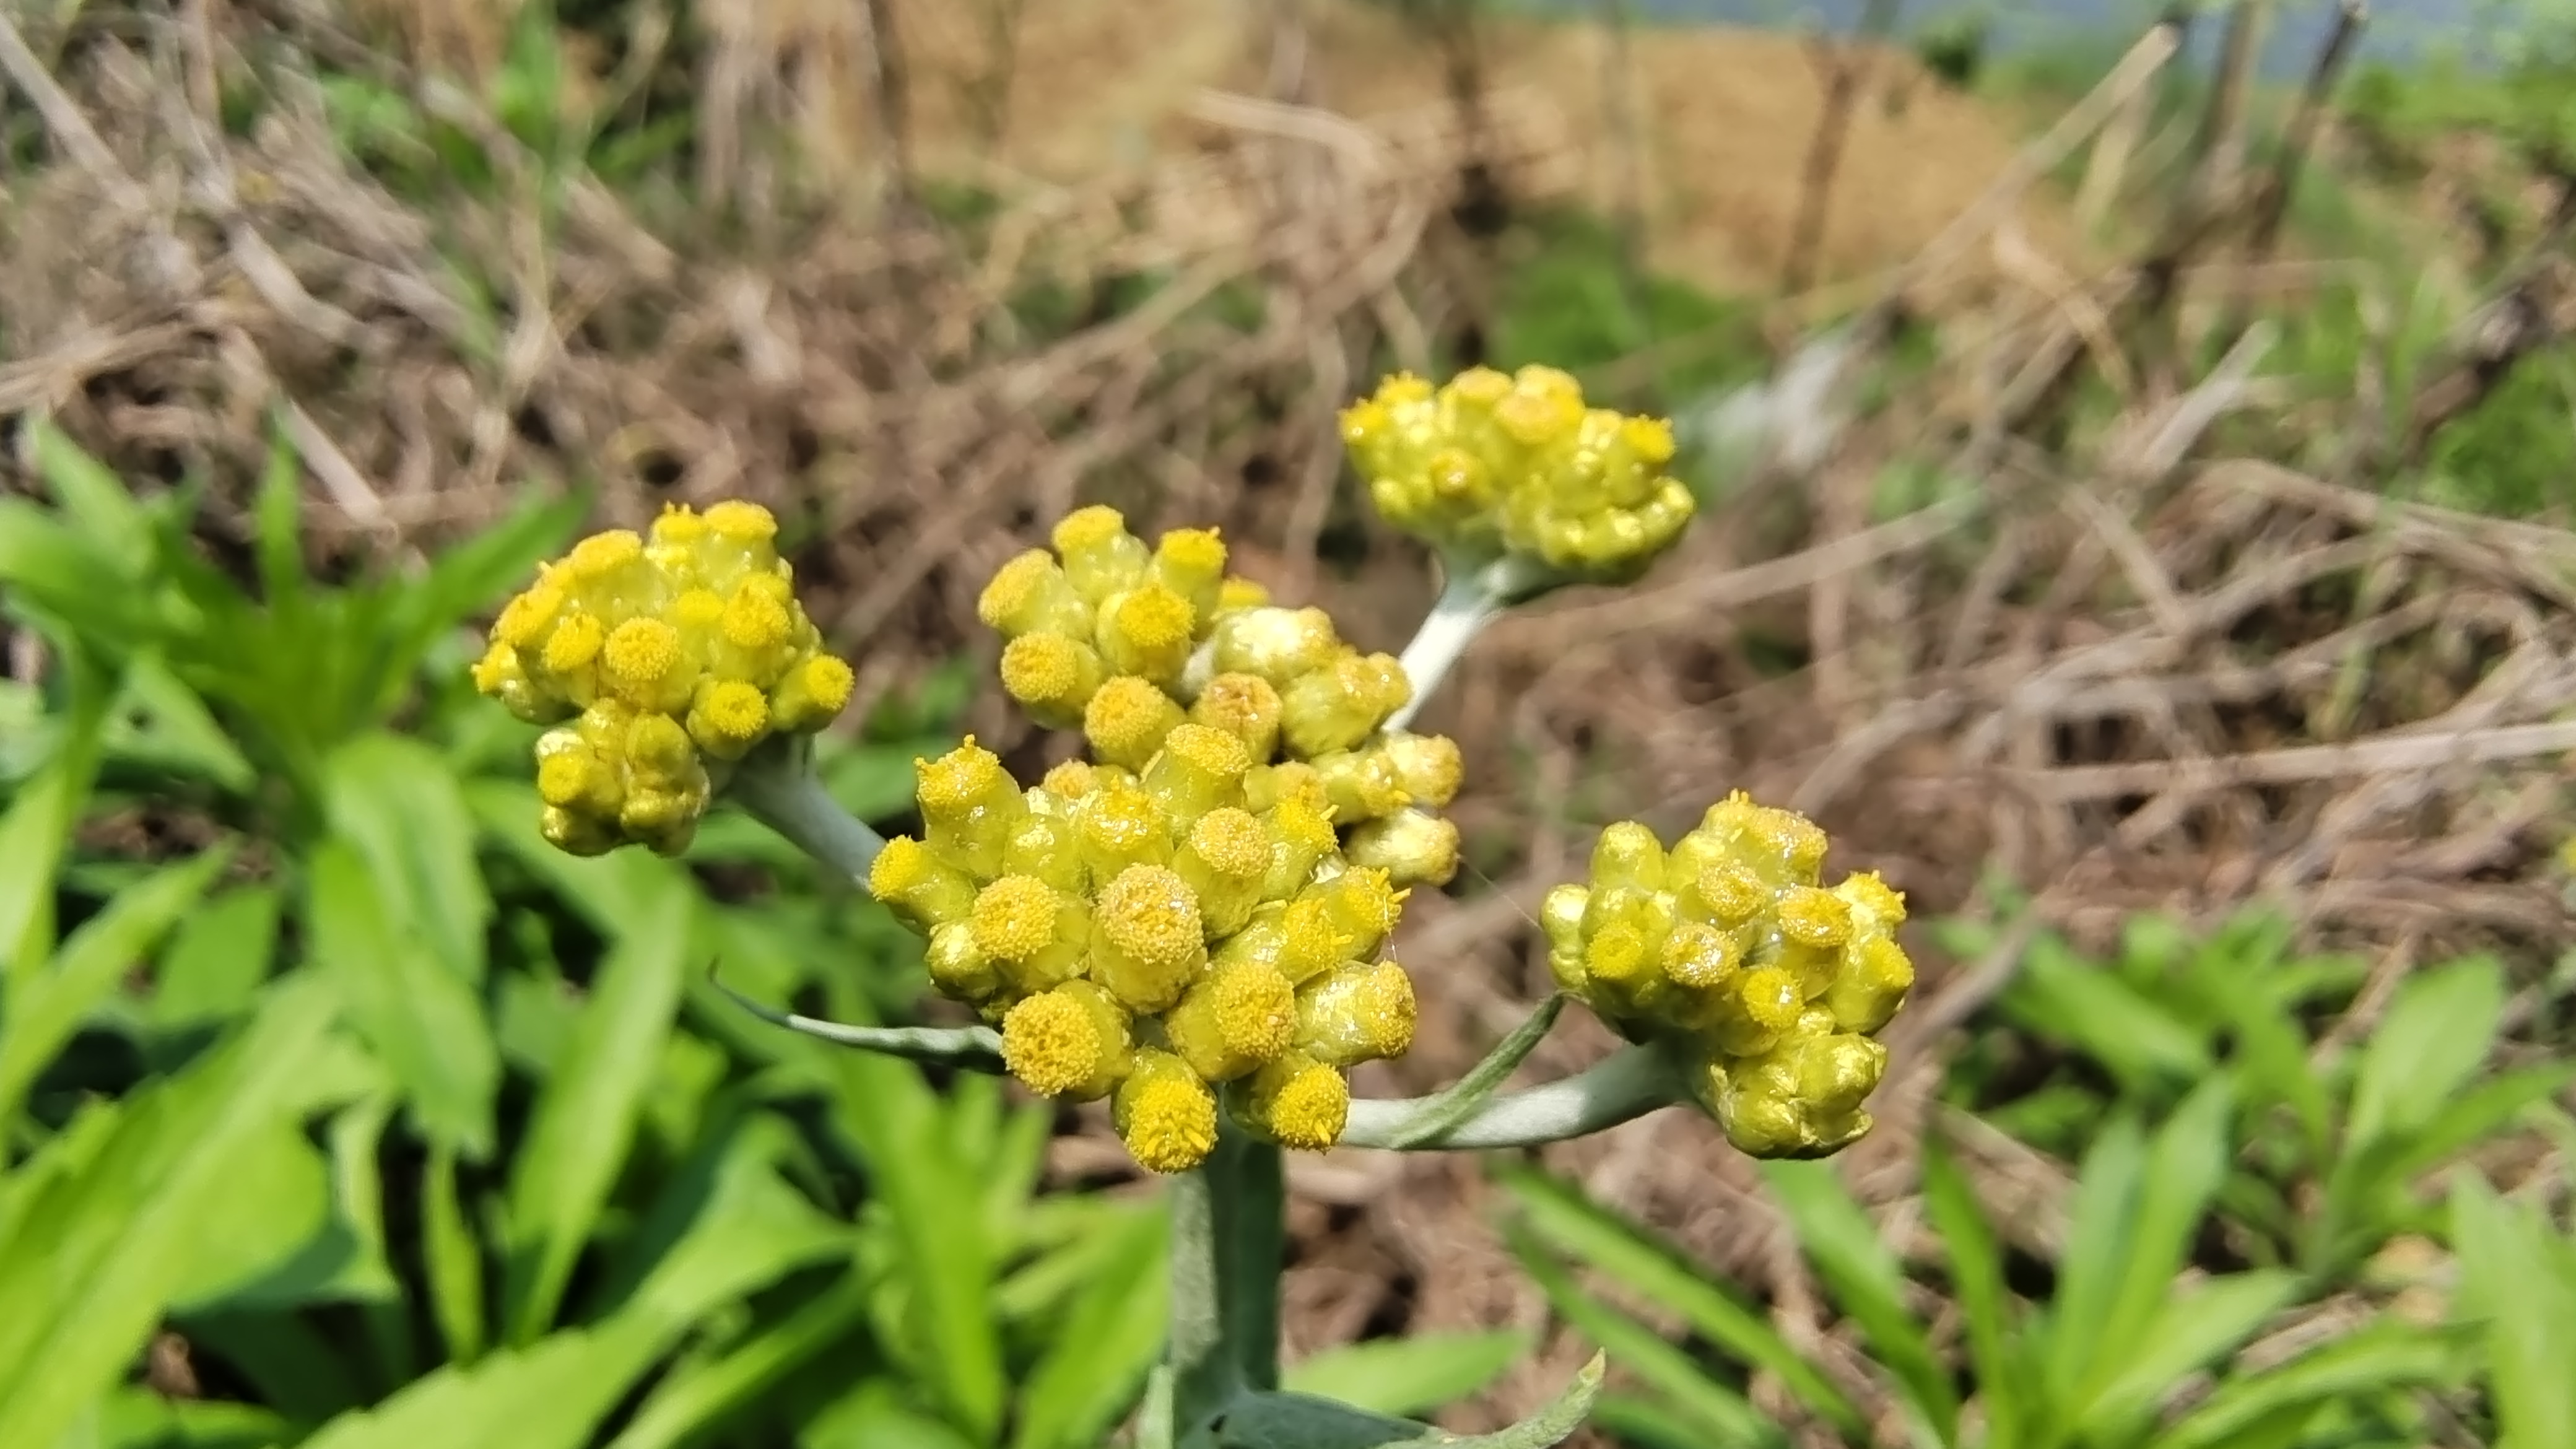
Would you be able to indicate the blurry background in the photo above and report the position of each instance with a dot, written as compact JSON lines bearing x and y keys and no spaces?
{"x":2135,"y":521}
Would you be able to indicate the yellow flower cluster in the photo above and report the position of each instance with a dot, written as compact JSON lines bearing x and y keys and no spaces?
{"x":1155,"y":935}
{"x":661,"y":661}
{"x":1490,"y":465}
{"x":1129,"y":643}
{"x":1727,"y":945}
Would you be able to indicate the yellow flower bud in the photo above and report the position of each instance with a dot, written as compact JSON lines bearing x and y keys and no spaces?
{"x":1127,"y":720}
{"x":1269,"y":786}
{"x":1015,"y":919}
{"x":1120,"y":827}
{"x":1628,"y":855}
{"x":603,"y":559}
{"x":1030,"y":595}
{"x":1360,"y":784}
{"x":1235,"y":1019}
{"x":1298,"y":1102}
{"x":969,"y":806}
{"x":572,"y":776}
{"x":1413,"y":847}
{"x":641,"y":663}
{"x":1731,"y":893}
{"x":1763,"y":1009}
{"x":1047,"y":844}
{"x":812,"y":694}
{"x":1165,"y":1114}
{"x":1341,"y":704}
{"x":1238,"y":592}
{"x":1276,"y":644}
{"x":1070,"y":780}
{"x":728,"y":718}
{"x":923,"y":891}
{"x":1560,"y":917}
{"x":1100,"y":556}
{"x":573,"y":834}
{"x":1814,"y":926}
{"x":1364,"y":905}
{"x":1197,"y":770}
{"x":1147,"y":632}
{"x":1191,"y":563}
{"x":1356,"y":1013}
{"x":1802,"y":1099}
{"x":1244,"y":706}
{"x":1427,"y":766}
{"x":575,"y":642}
{"x":1295,"y":938}
{"x":526,"y":618}
{"x":1867,"y":992}
{"x":1051,"y":676}
{"x":958,"y":965}
{"x":1224,"y":858}
{"x":1070,"y":1042}
{"x":1146,"y":943}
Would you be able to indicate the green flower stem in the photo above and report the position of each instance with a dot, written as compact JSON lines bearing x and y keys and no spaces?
{"x":776,"y":786}
{"x":1473,"y":593}
{"x":1229,"y":1242}
{"x":1619,"y":1088}
{"x":967,"y":1048}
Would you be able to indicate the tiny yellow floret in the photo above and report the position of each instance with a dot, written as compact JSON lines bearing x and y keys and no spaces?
{"x":1052,"y":1044}
{"x":1015,"y":918}
{"x":1149,"y":913}
{"x":742,"y":522}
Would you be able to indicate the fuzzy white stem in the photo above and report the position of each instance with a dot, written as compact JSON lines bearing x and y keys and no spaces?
{"x":776,"y":786}
{"x":1620,"y":1088}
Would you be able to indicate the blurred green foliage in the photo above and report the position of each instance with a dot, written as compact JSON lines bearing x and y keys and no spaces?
{"x":419,"y":1131}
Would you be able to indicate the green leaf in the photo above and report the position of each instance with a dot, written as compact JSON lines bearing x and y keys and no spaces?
{"x":38,"y":826}
{"x":1296,"y":1421}
{"x":2437,"y":1031}
{"x":699,"y":1397}
{"x":2388,"y":1354}
{"x":2184,"y":1167}
{"x":551,"y":1395}
{"x":280,"y":1208}
{"x":2192,"y":1331}
{"x":92,"y":497}
{"x":139,"y":1418}
{"x":1559,"y":1215}
{"x":1868,"y":1284}
{"x":71,"y":577}
{"x":453,"y":1258}
{"x":46,"y":1007}
{"x":1720,"y":1410}
{"x":2519,"y":1276}
{"x":2141,"y":1041}
{"x":1977,"y":1283}
{"x":1408,"y":1375}
{"x":279,"y":534}
{"x":424,"y":1020}
{"x":891,"y":1116}
{"x":397,"y":804}
{"x":2096,"y":1249}
{"x":586,"y":1116}
{"x":1090,"y":1372}
{"x":174,"y":730}
{"x":726,"y":1232}
{"x":101,"y":1227}
{"x":217,"y":959}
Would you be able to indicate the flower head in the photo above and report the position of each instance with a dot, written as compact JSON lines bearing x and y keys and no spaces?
{"x":1492,"y":466}
{"x":659,"y":663}
{"x":1773,"y":987}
